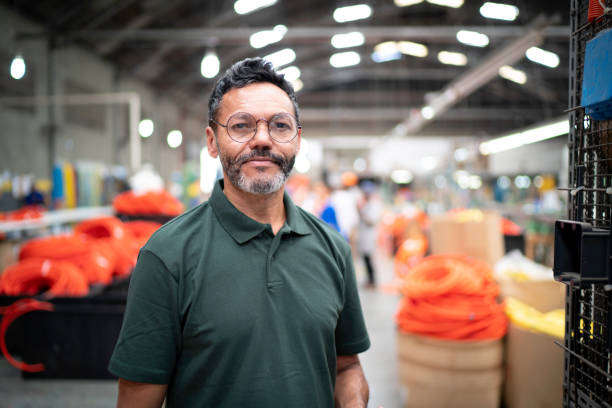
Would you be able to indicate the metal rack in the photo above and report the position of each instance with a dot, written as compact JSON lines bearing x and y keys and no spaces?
{"x":583,"y":246}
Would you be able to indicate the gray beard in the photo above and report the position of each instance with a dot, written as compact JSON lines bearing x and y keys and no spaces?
{"x":261,"y":183}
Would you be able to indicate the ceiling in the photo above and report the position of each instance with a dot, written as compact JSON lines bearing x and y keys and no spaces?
{"x":162,"y":43}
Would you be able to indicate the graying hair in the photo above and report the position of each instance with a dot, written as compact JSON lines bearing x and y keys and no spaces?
{"x":246,"y":72}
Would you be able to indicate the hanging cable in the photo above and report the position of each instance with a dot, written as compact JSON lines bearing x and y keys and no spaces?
{"x":12,"y":312}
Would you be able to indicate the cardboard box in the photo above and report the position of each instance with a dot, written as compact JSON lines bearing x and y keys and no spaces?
{"x":8,"y":253}
{"x":481,"y":238}
{"x":445,"y":373}
{"x":534,"y":370}
{"x":543,"y":296}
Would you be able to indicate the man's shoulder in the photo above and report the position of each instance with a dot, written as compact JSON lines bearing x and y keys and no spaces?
{"x":179,"y":230}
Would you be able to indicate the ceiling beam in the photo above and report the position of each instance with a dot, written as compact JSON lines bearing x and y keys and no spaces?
{"x":473,"y":79}
{"x":308,"y":114}
{"x":237,"y":35}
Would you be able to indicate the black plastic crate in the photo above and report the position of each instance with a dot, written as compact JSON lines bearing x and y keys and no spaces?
{"x":75,"y":340}
{"x":588,"y":340}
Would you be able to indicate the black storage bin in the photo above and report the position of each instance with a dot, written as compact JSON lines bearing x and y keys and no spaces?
{"x":74,"y":341}
{"x":512,"y":242}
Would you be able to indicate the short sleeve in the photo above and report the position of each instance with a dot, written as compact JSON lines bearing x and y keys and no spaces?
{"x":149,"y":339}
{"x":351,"y":334}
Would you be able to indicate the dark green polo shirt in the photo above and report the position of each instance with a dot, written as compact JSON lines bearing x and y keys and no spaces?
{"x":230,"y":315}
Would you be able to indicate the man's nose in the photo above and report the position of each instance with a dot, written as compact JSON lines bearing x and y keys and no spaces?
{"x":262,"y":133}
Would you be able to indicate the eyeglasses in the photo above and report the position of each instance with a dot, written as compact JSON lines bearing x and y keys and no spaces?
{"x":241,"y":127}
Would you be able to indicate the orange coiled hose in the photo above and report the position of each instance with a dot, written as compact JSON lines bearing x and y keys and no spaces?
{"x":111,"y":237}
{"x":149,"y":203}
{"x":96,"y":265}
{"x":451,"y":297}
{"x":32,"y":276}
{"x":141,"y":230}
{"x":12,"y":312}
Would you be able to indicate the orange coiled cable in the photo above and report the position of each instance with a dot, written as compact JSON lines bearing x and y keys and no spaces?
{"x":12,"y":312}
{"x":110,"y":236}
{"x":96,"y":265}
{"x":451,"y":297}
{"x":32,"y":276}
{"x":141,"y":230}
{"x":152,"y":202}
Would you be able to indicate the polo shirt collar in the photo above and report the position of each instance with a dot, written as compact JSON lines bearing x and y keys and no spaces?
{"x":243,"y":228}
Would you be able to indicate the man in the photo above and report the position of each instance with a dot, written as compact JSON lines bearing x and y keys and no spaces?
{"x":245,"y":300}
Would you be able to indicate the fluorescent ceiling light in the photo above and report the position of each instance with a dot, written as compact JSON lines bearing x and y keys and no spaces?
{"x":18,"y":67}
{"x":347,"y":40}
{"x":406,"y":3}
{"x":146,"y":127}
{"x":452,"y":58}
{"x":291,"y":73}
{"x":175,"y":138}
{"x":282,"y":57}
{"x":263,"y":38}
{"x":412,"y":48}
{"x":499,"y":11}
{"x":352,"y":13}
{"x":514,"y":140}
{"x":401,"y":176}
{"x":344,"y":59}
{"x":209,"y":67}
{"x":248,"y":6}
{"x":472,"y":38}
{"x":386,"y":47}
{"x":297,"y":84}
{"x":513,"y":74}
{"x":384,"y":57}
{"x":540,"y":56}
{"x":447,"y":3}
{"x":428,"y":112}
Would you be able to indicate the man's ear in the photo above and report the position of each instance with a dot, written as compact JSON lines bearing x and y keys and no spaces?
{"x":211,"y":143}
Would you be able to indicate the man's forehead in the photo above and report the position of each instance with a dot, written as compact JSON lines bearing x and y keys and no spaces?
{"x":258,"y":95}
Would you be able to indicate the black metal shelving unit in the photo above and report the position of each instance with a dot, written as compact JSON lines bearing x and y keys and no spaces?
{"x":583,"y":244}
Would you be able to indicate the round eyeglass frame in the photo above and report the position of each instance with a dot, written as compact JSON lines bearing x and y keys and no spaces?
{"x":298,"y":128}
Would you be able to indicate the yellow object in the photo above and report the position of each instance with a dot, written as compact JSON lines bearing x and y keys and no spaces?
{"x":468,"y":216}
{"x":525,"y":316}
{"x":69,"y":185}
{"x":517,"y":275}
{"x":43,"y":185}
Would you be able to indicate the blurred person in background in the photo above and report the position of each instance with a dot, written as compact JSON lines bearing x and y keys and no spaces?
{"x":370,"y":211}
{"x":245,"y":300}
{"x":344,"y":202}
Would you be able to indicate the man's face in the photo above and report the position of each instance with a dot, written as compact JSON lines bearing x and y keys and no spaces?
{"x":261,"y":165}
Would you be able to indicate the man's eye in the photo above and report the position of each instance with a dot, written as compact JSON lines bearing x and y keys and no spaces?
{"x":240,"y":126}
{"x":280,"y":125}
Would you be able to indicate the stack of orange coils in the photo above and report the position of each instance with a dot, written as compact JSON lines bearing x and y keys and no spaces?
{"x":152,"y":202}
{"x":451,"y":297}
{"x":66,"y":265}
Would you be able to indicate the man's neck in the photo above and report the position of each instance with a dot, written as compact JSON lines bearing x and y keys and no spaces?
{"x":263,"y":208}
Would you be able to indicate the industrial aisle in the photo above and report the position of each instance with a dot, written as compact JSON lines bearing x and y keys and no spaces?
{"x":379,"y":364}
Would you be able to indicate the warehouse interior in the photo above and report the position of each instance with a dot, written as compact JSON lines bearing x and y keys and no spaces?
{"x":467,"y":121}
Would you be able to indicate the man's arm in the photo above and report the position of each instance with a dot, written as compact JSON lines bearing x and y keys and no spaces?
{"x":351,"y":386}
{"x":140,"y":395}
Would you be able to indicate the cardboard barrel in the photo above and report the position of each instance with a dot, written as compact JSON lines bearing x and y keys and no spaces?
{"x":446,"y":373}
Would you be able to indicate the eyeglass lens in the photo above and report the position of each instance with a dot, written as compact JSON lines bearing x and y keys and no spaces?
{"x":242,"y":126}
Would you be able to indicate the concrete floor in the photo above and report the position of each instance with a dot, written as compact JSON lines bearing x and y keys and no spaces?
{"x":379,"y":363}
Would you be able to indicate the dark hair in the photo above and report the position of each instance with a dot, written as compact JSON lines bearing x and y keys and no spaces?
{"x":246,"y":72}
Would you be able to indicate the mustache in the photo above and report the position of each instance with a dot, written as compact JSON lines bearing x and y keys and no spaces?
{"x":277,"y":159}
